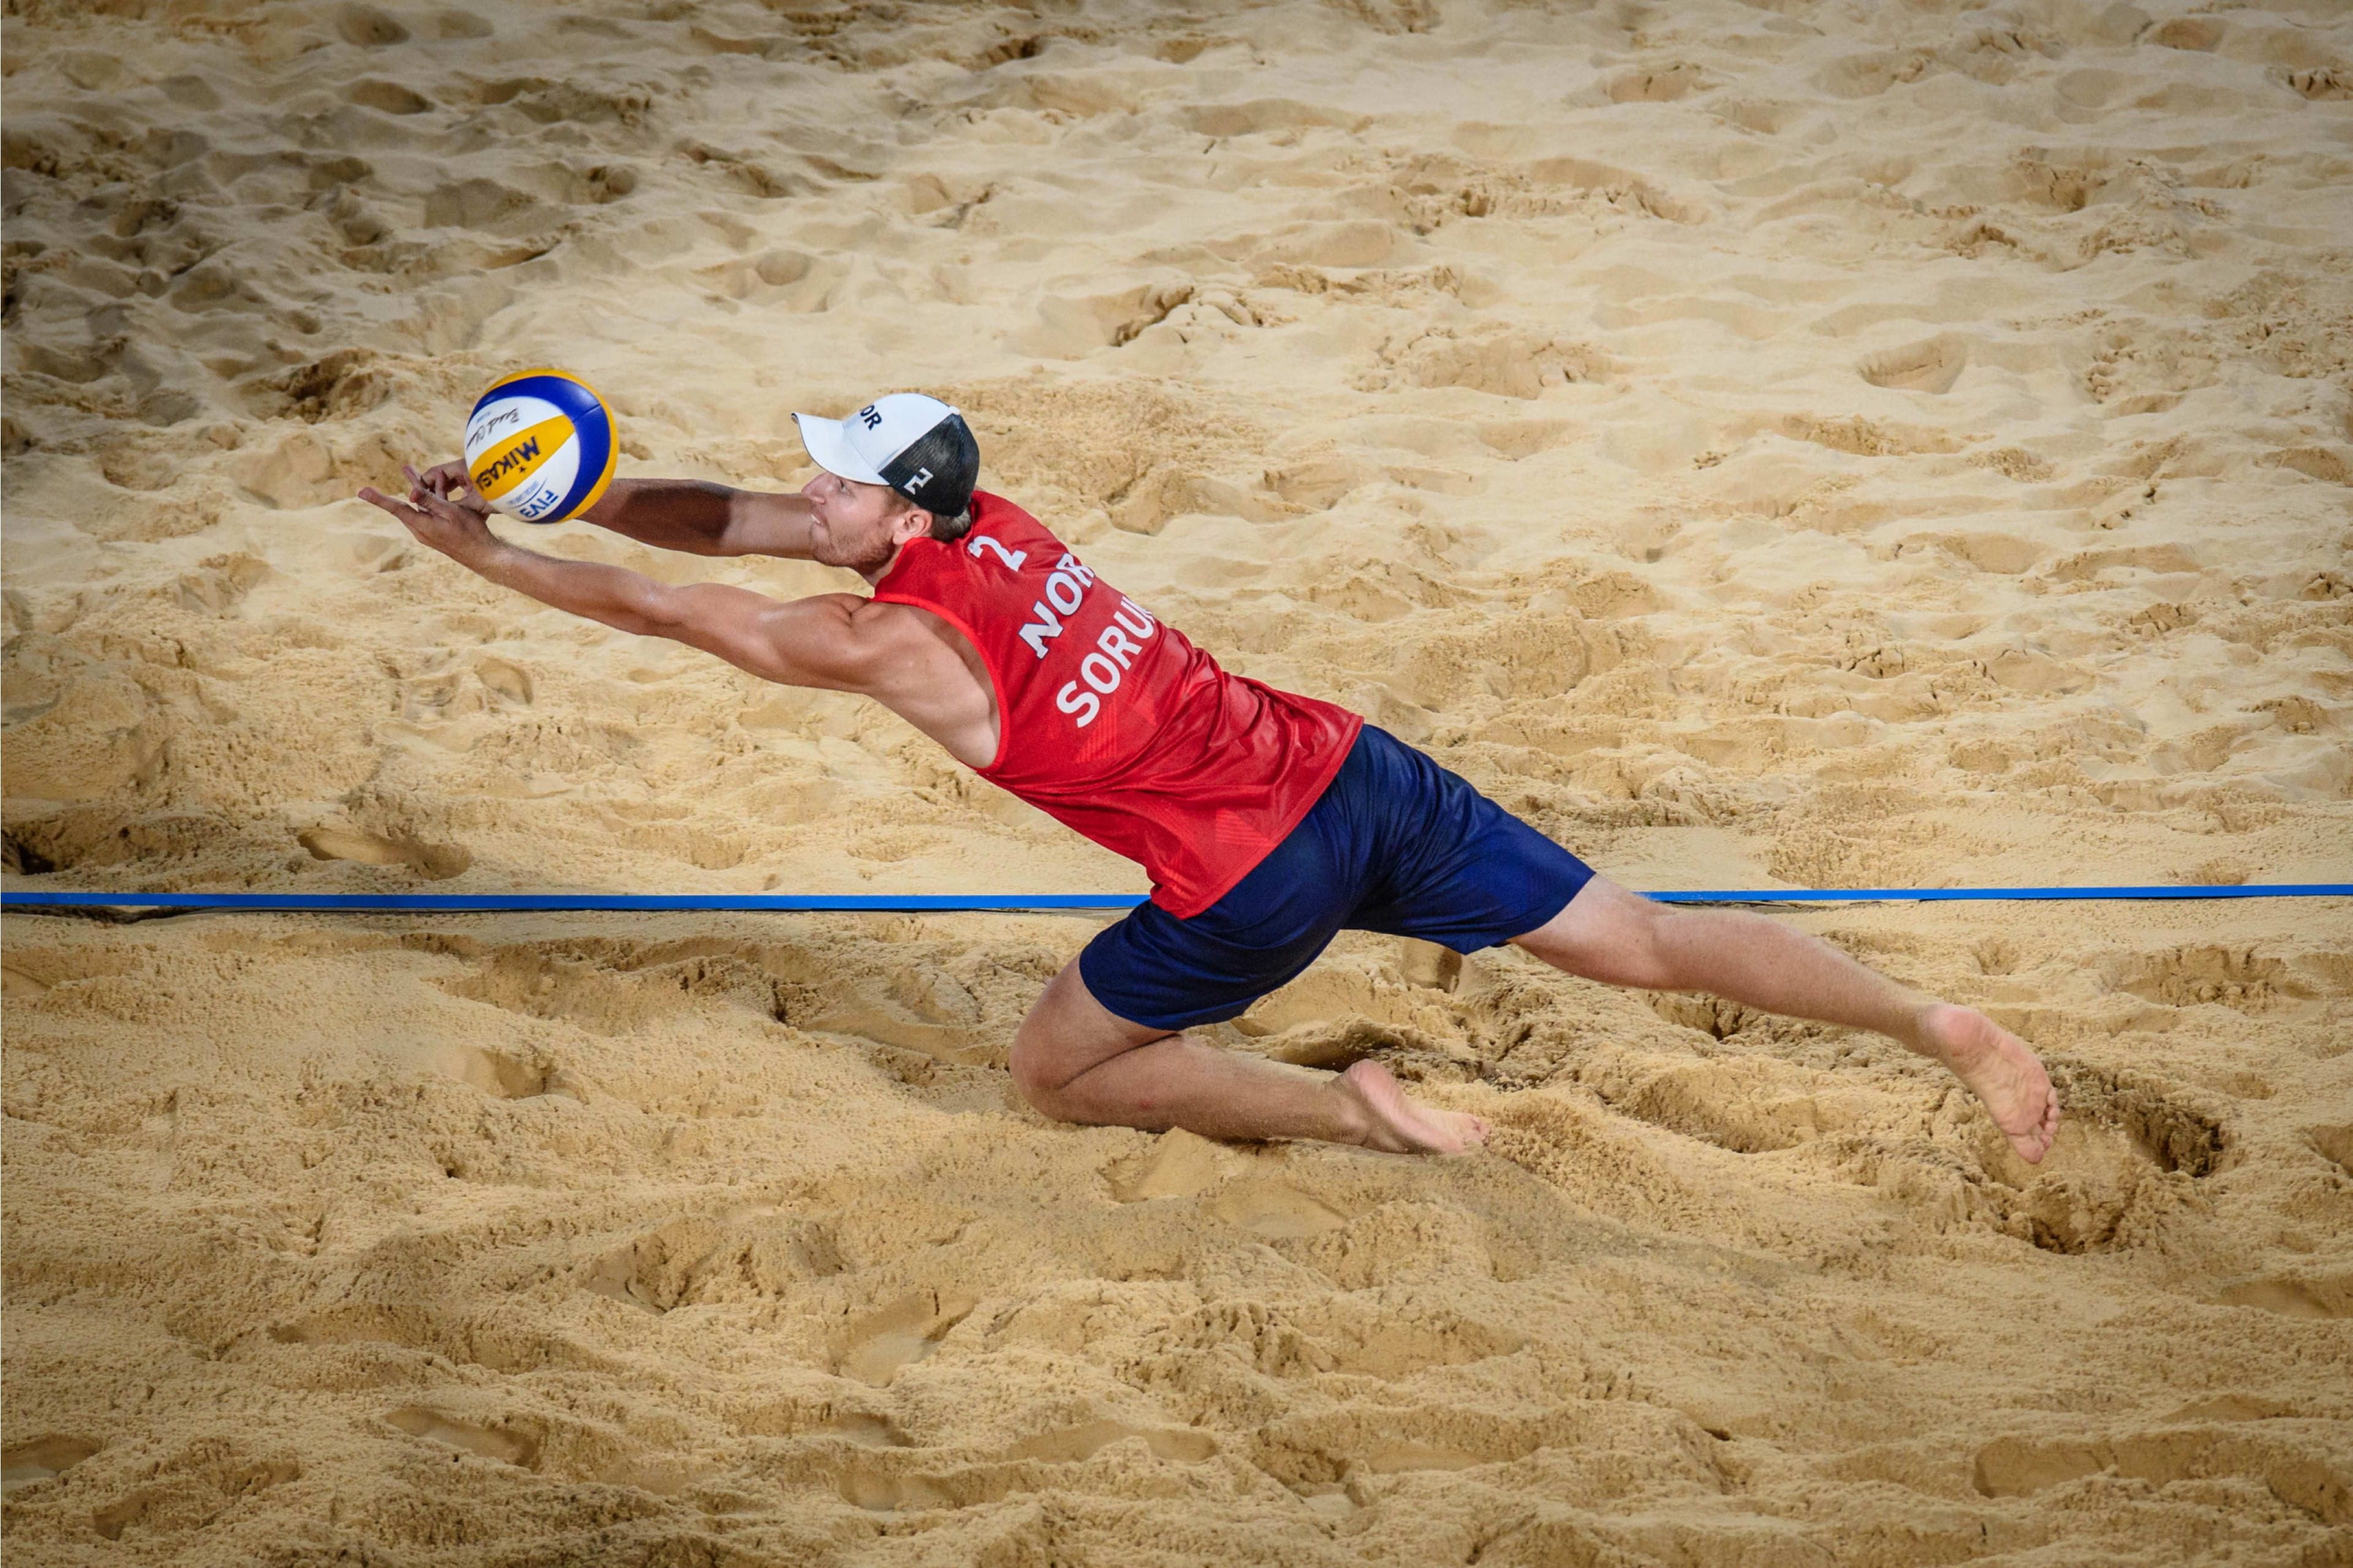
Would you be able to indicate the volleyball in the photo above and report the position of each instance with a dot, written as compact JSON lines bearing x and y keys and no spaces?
{"x":540,"y":446}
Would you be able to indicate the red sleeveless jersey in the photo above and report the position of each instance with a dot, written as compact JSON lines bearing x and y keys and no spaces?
{"x":1113,"y":723}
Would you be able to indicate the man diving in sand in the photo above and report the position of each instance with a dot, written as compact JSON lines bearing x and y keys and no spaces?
{"x":1269,"y":821}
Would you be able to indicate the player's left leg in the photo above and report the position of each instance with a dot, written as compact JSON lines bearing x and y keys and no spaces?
{"x":1075,"y":1060}
{"x":1610,"y":934}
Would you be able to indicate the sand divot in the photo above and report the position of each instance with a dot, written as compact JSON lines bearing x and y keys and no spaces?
{"x":2092,"y":1181}
{"x":1753,"y":1105}
{"x":1177,"y":1164}
{"x":1181,"y":1164}
{"x":2125,"y":1165}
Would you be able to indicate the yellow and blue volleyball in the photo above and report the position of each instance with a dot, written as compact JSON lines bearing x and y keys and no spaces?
{"x":540,"y":446}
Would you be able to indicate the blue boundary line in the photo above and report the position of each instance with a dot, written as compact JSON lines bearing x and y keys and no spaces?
{"x":914,"y":903}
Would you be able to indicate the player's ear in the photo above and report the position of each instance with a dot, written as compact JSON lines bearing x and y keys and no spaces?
{"x":913,"y":523}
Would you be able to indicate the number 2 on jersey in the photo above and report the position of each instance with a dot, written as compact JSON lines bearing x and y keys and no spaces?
{"x":1012,"y":559}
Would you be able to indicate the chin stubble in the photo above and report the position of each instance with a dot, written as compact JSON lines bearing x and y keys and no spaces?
{"x":868,"y":561}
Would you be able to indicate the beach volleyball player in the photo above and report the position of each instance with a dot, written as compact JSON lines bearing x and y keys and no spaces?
{"x":1267,"y":821}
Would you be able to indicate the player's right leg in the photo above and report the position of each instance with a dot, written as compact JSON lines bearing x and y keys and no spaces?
{"x":1610,"y":934}
{"x":1076,"y":1061}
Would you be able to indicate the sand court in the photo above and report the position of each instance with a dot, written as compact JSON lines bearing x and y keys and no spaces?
{"x":1791,"y":446}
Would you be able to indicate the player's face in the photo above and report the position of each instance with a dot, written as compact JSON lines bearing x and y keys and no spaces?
{"x":854,"y":525}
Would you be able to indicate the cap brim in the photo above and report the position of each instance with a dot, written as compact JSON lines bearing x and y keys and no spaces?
{"x":828,"y":443}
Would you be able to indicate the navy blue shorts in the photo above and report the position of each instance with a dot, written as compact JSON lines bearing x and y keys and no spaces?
{"x":1395,"y":844}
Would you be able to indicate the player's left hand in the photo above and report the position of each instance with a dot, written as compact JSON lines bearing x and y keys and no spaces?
{"x":456,"y":530}
{"x":450,"y":481}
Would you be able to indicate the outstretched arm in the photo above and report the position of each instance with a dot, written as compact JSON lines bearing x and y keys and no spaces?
{"x":690,"y":515}
{"x":800,"y":642}
{"x":705,"y":519}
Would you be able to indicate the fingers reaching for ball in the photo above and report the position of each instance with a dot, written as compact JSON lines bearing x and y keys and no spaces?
{"x":447,"y":480}
{"x":455,"y":530}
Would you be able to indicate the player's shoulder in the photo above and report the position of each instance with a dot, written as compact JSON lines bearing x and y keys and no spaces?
{"x":892,"y":647}
{"x":887,"y":627}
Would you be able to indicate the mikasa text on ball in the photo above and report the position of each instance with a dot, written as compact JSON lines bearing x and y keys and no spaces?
{"x":540,"y":446}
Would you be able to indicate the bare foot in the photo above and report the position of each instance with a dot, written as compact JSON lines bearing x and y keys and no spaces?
{"x":2001,"y":1070}
{"x":1397,"y":1125}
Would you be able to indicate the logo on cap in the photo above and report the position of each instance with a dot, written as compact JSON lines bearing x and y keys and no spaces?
{"x":915,"y":444}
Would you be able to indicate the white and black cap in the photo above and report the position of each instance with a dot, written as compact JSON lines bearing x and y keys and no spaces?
{"x":918,"y":446}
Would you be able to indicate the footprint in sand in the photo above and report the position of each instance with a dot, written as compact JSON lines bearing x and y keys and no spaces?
{"x":502,"y":1443}
{"x":1660,"y":84}
{"x":1930,"y":366}
{"x":1068,"y":1445}
{"x":1503,"y":361}
{"x":2294,"y":1295}
{"x":369,"y":28}
{"x":753,"y":1255}
{"x":493,"y":1072}
{"x":2238,"y":978}
{"x":1867,"y":75}
{"x":617,"y":992}
{"x":44,"y":1458}
{"x":2287,"y":1467}
{"x":508,"y":682}
{"x":873,"y":1348}
{"x":436,"y":862}
{"x":1521,"y":439}
{"x":1275,"y":1211}
{"x":2334,"y":1145}
{"x":387,"y":97}
{"x":1421,"y":1436}
{"x":2201,"y":34}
